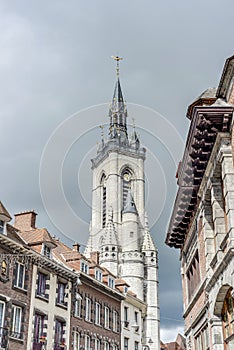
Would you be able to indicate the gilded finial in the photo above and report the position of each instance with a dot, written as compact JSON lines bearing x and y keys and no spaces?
{"x":117,"y":59}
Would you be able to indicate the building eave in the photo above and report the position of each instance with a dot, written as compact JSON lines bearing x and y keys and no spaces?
{"x":206,"y":123}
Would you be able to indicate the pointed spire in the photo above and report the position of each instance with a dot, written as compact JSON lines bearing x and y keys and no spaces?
{"x":118,"y":111}
{"x":130,"y":206}
{"x":148,"y":243}
{"x":110,"y":233}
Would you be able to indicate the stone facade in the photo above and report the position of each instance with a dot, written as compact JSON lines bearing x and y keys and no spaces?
{"x":119,"y":229}
{"x":202,"y":222}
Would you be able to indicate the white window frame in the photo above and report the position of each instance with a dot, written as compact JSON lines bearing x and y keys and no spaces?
{"x":97,"y":314}
{"x":97,"y":344}
{"x":111,"y":282}
{"x":3,"y":313}
{"x":98,"y":275}
{"x":76,"y":341}
{"x":2,"y":226}
{"x":46,"y":251}
{"x":107,"y":317}
{"x":16,"y":328}
{"x":84,"y":266}
{"x":18,"y":275}
{"x":88,"y":309}
{"x":115,"y":321}
{"x":87,"y":342}
{"x":77,"y":308}
{"x":106,"y":346}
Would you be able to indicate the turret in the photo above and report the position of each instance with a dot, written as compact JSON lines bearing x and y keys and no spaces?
{"x":151,"y":288}
{"x":109,"y":246}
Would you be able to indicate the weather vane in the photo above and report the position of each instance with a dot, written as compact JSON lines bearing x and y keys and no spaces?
{"x":117,"y":59}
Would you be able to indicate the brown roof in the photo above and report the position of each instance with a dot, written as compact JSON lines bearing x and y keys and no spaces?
{"x":4,"y":212}
{"x":12,"y":233}
{"x":37,"y":236}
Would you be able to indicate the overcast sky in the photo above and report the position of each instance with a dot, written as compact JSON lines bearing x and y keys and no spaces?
{"x":55,"y":63}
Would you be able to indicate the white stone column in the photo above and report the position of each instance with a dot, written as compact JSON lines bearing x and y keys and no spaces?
{"x":228,"y":190}
{"x":208,"y":229}
{"x":216,"y":334}
{"x":218,"y":212}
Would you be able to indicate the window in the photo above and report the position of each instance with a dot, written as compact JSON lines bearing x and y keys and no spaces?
{"x":61,"y":293}
{"x":76,"y":341}
{"x":125,"y":343}
{"x":58,"y":335}
{"x":98,"y":275}
{"x":103,"y":198}
{"x":115,"y":321}
{"x":202,"y":339}
{"x":1,"y":226}
{"x":97,"y":313}
{"x":97,"y":344}
{"x":20,"y":275}
{"x":136,"y":345}
{"x":87,"y":342}
{"x":16,"y":321}
{"x":228,"y":319}
{"x":111,"y":282}
{"x":41,"y":286}
{"x":2,"y":316}
{"x":88,"y":309}
{"x":47,"y":251}
{"x":38,"y":337}
{"x":136,"y":314}
{"x":193,"y":276}
{"x":126,"y":184}
{"x":126,"y":320}
{"x":106,"y":346}
{"x":84,"y":266}
{"x":77,"y":308}
{"x":107,"y":317}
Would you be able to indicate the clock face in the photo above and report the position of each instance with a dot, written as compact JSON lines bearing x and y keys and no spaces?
{"x":127,"y":177}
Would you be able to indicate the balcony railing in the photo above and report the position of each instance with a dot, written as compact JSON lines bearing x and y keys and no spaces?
{"x":3,"y":337}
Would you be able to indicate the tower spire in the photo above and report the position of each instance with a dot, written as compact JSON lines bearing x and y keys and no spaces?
{"x":117,"y":59}
{"x":118,"y":111}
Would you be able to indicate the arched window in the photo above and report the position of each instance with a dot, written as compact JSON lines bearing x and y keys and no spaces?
{"x":103,"y":199}
{"x":126,"y":184}
{"x":228,"y":319}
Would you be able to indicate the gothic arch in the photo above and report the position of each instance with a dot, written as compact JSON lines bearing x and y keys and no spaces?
{"x":218,"y":306}
{"x":126,"y":182}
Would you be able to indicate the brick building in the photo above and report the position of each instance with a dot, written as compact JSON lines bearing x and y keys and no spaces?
{"x":105,"y":313}
{"x":15,"y":286}
{"x":202,"y":221}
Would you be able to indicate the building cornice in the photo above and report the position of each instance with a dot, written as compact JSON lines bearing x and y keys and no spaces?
{"x":206,"y":123}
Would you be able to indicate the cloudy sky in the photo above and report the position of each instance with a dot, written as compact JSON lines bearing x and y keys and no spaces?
{"x":56,"y":80}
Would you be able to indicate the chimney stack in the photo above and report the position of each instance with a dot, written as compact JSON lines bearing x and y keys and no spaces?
{"x":94,"y":256}
{"x":76,"y":247}
{"x":25,"y":221}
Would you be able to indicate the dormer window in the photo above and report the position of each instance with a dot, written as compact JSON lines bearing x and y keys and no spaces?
{"x":1,"y":226}
{"x":47,"y":251}
{"x":111,"y":282}
{"x":84,"y":267}
{"x":98,"y":275}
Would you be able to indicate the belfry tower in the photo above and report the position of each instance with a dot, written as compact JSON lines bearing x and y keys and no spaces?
{"x":119,"y":229}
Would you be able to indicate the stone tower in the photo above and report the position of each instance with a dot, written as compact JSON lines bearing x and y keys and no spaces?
{"x":118,"y":229}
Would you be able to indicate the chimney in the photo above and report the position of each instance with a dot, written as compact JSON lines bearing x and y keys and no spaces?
{"x":94,"y":256}
{"x":76,"y":247}
{"x":25,"y":221}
